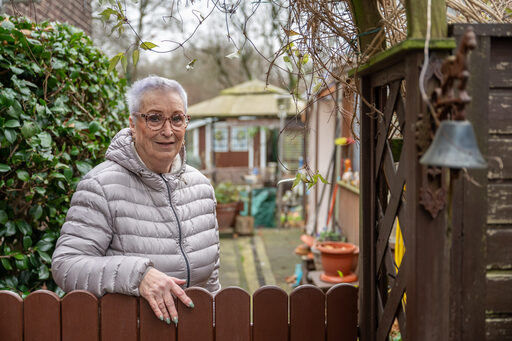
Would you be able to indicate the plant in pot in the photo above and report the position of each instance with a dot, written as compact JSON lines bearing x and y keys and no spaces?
{"x":325,"y":235}
{"x":228,"y":204}
{"x":339,"y":258}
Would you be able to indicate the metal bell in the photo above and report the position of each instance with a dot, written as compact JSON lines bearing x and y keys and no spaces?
{"x":454,"y":146}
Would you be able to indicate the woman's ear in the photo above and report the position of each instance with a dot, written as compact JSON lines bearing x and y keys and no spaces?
{"x":132,"y":126}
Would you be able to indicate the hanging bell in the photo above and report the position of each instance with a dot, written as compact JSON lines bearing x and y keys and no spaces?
{"x":454,"y":146}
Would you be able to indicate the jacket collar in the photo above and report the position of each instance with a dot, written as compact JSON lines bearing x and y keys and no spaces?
{"x":122,"y":151}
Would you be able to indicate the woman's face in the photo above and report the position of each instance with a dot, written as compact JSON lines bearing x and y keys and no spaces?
{"x":158,"y":148}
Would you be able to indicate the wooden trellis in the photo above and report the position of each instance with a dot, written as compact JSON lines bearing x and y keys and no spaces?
{"x":391,"y":182}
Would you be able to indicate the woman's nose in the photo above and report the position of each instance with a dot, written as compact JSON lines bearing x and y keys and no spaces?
{"x":167,"y":128}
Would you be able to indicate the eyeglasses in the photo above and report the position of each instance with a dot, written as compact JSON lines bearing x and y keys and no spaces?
{"x":156,"y":121}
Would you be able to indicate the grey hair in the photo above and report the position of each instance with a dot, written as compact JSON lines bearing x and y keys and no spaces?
{"x":150,"y":83}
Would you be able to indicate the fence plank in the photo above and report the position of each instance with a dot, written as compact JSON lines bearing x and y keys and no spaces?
{"x":119,"y":317}
{"x":151,"y":328}
{"x":232,"y":315}
{"x":270,"y":314}
{"x":41,"y":312}
{"x":342,"y":313}
{"x":196,"y":323}
{"x":80,"y":316}
{"x":307,"y":314}
{"x":11,"y":316}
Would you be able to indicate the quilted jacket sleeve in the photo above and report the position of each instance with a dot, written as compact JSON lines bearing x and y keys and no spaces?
{"x":213,"y":283}
{"x":80,"y":260}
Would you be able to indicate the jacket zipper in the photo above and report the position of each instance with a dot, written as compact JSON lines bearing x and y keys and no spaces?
{"x":179,"y":230}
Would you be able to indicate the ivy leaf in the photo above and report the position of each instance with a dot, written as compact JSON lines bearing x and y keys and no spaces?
{"x":10,"y":228}
{"x":36,"y":211}
{"x":16,"y":70}
{"x":94,"y":126}
{"x":44,"y":245}
{"x":10,"y":135}
{"x":147,"y":45}
{"x":12,"y":124}
{"x":44,"y":256}
{"x":4,"y":168}
{"x":83,"y":167}
{"x":43,"y":272}
{"x":6,"y":264}
{"x":22,"y":264}
{"x":29,"y":129}
{"x":46,"y":139}
{"x":24,"y":227}
{"x":27,"y":242}
{"x":22,"y":175}
{"x":40,"y":190}
{"x":3,"y":217}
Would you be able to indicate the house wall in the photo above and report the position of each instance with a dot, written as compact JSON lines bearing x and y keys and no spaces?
{"x":348,"y":196}
{"x":74,"y":12}
{"x":231,"y":159}
{"x":320,"y":146}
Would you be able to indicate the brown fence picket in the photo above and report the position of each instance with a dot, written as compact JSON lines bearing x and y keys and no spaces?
{"x":196,"y":323}
{"x":119,"y":317}
{"x":80,"y":319}
{"x":307,"y":314}
{"x":232,"y":315}
{"x":270,"y":314}
{"x":151,"y":328}
{"x":342,"y":313}
{"x":41,"y":314}
{"x":11,"y":316}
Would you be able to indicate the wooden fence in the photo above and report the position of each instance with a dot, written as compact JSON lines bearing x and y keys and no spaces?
{"x":306,"y":314}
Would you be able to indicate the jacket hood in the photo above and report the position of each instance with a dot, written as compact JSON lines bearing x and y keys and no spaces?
{"x":122,"y":151}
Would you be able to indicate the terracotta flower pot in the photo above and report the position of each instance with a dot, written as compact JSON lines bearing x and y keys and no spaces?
{"x":339,"y":261}
{"x":226,"y":214}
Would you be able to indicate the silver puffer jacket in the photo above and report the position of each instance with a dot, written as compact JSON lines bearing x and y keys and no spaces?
{"x":125,"y":218}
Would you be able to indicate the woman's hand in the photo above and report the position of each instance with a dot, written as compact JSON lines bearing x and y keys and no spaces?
{"x":156,"y":287}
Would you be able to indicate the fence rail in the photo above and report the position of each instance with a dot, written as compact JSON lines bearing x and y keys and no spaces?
{"x":306,"y":314}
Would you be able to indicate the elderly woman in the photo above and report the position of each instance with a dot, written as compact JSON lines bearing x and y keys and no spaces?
{"x":143,"y":222}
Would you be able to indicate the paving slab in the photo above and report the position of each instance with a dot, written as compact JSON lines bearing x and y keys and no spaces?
{"x":266,"y":258}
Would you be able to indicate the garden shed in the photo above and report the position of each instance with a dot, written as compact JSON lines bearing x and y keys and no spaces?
{"x":238,"y":130}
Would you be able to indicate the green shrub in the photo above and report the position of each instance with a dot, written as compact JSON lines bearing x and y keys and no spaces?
{"x":59,"y":108}
{"x":227,"y":192}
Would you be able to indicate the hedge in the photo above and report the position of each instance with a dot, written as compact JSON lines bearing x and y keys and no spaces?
{"x":59,"y":108}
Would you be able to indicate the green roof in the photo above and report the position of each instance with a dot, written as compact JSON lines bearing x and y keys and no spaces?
{"x":252,"y":98}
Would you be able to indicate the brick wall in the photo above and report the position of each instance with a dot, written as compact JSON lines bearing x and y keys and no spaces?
{"x":74,"y":12}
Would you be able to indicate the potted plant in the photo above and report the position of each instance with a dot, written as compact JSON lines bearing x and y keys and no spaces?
{"x":339,"y":261}
{"x":228,"y":204}
{"x":325,"y":235}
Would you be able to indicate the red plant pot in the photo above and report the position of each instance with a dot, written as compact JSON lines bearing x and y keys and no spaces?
{"x":226,"y":214}
{"x":339,"y":261}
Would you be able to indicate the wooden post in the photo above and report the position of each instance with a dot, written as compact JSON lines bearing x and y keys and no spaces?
{"x":417,"y":18}
{"x":366,"y":18}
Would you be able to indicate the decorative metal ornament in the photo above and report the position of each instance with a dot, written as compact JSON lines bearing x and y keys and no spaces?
{"x":454,"y":145}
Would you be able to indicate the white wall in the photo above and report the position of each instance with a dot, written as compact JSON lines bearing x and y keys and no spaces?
{"x":319,"y":159}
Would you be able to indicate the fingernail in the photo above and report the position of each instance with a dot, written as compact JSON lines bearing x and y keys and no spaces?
{"x":168,"y":320}
{"x":191,"y":304}
{"x":175,"y":320}
{"x":161,"y":318}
